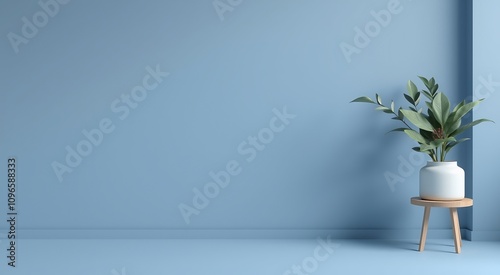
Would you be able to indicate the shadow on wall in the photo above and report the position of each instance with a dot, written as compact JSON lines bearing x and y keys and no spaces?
{"x":365,"y":199}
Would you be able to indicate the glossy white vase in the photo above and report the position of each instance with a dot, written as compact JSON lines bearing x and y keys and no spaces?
{"x":442,"y":181}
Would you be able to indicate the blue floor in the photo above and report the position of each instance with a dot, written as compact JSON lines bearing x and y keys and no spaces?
{"x":252,"y":257}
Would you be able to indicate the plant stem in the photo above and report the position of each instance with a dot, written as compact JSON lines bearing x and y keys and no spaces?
{"x":402,"y":120}
{"x":443,"y":153}
{"x":433,"y":156}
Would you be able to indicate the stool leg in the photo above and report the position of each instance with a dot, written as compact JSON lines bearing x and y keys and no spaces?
{"x":425,"y":225}
{"x":456,"y":229}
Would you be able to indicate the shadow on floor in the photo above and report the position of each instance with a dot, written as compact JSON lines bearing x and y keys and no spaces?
{"x":446,"y":246}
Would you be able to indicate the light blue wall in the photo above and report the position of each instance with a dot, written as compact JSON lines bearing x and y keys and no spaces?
{"x":486,"y":85}
{"x":324,"y":169}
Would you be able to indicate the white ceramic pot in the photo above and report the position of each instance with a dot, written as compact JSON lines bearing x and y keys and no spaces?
{"x":442,"y":181}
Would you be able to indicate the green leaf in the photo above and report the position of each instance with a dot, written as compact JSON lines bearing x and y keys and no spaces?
{"x":452,"y":125}
{"x":441,"y":108}
{"x":426,"y":134}
{"x":418,"y":120}
{"x":426,"y":147}
{"x":379,"y":100}
{"x":467,"y":126}
{"x":417,"y":98}
{"x":381,"y":108}
{"x":434,"y":89}
{"x":427,"y":94}
{"x":401,"y":116}
{"x":392,"y":106}
{"x":416,"y":149}
{"x":363,"y":99}
{"x":458,"y":106}
{"x":425,"y":81}
{"x":439,"y":142}
{"x":384,"y":109}
{"x":432,"y":119}
{"x":434,"y":144}
{"x":412,"y":89}
{"x":398,"y":130}
{"x":409,"y":99}
{"x":414,"y":135}
{"x":451,"y":120}
{"x":432,"y":82}
{"x":463,"y":110}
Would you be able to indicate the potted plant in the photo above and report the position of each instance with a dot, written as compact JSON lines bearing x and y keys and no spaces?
{"x":435,"y":130}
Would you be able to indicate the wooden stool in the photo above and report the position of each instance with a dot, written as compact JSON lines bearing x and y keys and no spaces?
{"x":453,"y":205}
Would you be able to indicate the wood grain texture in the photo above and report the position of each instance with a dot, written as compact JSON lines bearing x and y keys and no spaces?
{"x":452,"y":205}
{"x":466,"y":202}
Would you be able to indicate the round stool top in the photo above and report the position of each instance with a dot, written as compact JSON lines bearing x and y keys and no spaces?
{"x":466,"y":202}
